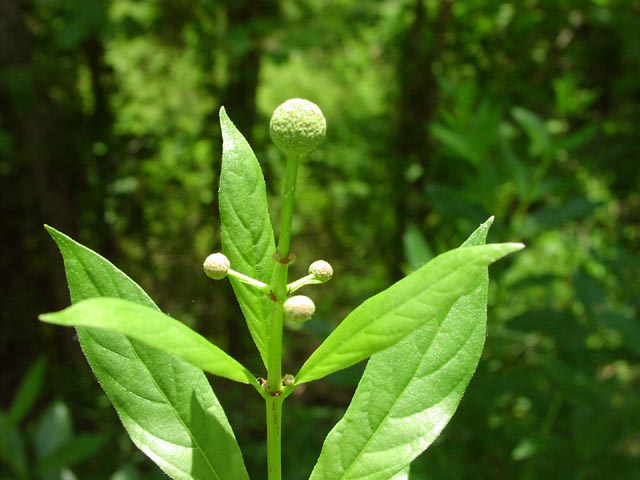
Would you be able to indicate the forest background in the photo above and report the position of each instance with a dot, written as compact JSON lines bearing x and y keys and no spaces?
{"x":440,"y":114}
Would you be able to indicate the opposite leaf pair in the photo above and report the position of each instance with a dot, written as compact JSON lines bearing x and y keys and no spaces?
{"x":424,"y":336}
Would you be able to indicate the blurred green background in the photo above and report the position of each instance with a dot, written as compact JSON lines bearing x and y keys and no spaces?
{"x":440,"y":114}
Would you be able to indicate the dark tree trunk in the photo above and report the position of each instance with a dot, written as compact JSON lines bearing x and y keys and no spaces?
{"x":101,"y":125}
{"x":246,"y":19}
{"x":419,"y":49}
{"x":30,"y":118}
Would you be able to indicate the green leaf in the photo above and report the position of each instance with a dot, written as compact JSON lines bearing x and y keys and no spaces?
{"x":535,"y":129}
{"x":410,"y":391}
{"x":458,"y":143}
{"x":28,"y":392}
{"x":166,"y":405}
{"x":247,"y":234}
{"x":12,"y":449}
{"x":391,"y":315}
{"x":154,"y":328}
{"x":75,"y":450}
{"x":54,"y":429}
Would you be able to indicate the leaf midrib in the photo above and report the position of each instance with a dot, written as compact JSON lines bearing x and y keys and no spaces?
{"x":155,"y":383}
{"x":387,"y":312}
{"x":384,"y":418}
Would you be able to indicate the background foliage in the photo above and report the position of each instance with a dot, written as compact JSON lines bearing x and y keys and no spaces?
{"x":440,"y":114}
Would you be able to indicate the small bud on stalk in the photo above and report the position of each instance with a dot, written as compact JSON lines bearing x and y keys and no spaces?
{"x":297,"y":127}
{"x":321,"y":271}
{"x":216,"y":266}
{"x":299,"y":308}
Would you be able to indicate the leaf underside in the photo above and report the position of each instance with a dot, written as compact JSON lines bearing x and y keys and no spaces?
{"x":410,"y":391}
{"x":246,"y":231}
{"x":165,"y":404}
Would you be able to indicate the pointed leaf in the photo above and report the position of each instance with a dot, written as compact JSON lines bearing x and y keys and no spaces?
{"x":153,"y":328}
{"x":28,"y":392}
{"x":166,"y":405}
{"x":12,"y":448}
{"x":247,"y":234}
{"x":391,"y":315}
{"x":409,"y":392}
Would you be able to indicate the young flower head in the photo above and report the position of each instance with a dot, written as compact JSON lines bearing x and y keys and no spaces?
{"x":216,"y":266}
{"x":297,"y":127}
{"x":299,"y":308}
{"x":321,"y":271}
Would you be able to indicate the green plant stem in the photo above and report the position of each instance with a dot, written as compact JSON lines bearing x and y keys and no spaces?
{"x":288,"y":198}
{"x":279,"y":290}
{"x":274,"y":436}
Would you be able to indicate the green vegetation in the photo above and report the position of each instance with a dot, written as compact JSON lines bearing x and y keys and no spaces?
{"x":440,"y":114}
{"x":429,"y":329}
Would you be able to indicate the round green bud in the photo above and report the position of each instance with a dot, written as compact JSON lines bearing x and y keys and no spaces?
{"x":321,"y":270}
{"x":299,"y":308}
{"x":216,"y":266}
{"x":298,"y":127}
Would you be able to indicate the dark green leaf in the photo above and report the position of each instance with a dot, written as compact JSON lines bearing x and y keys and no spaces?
{"x":73,"y":451}
{"x":12,"y":449}
{"x":165,"y":404}
{"x":28,"y":392}
{"x":247,"y":234}
{"x":53,"y":430}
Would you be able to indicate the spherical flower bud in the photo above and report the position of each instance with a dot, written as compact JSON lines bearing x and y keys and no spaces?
{"x":321,"y":270}
{"x":299,"y":308}
{"x":216,"y":266}
{"x":298,"y":127}
{"x":288,"y":380}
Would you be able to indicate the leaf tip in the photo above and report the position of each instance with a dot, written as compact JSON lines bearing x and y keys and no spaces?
{"x":513,"y":246}
{"x":45,"y":317}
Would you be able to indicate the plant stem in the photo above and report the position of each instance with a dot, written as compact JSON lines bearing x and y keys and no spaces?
{"x":274,"y":423}
{"x":278,"y":287}
{"x":288,"y":198}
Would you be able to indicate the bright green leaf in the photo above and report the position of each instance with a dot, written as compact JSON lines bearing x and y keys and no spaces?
{"x":154,"y":328}
{"x":247,"y":234}
{"x":410,"y":391}
{"x":165,"y":404}
{"x":391,"y":315}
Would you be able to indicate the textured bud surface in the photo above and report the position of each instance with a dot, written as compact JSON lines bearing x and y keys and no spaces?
{"x":288,"y":380}
{"x":298,"y":126}
{"x":299,"y":308}
{"x":321,"y":270}
{"x":216,"y":266}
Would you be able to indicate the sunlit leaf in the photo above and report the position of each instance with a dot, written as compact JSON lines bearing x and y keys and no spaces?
{"x":410,"y":391}
{"x":247,"y":234}
{"x":165,"y":404}
{"x":423,"y":297}
{"x":154,"y":328}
